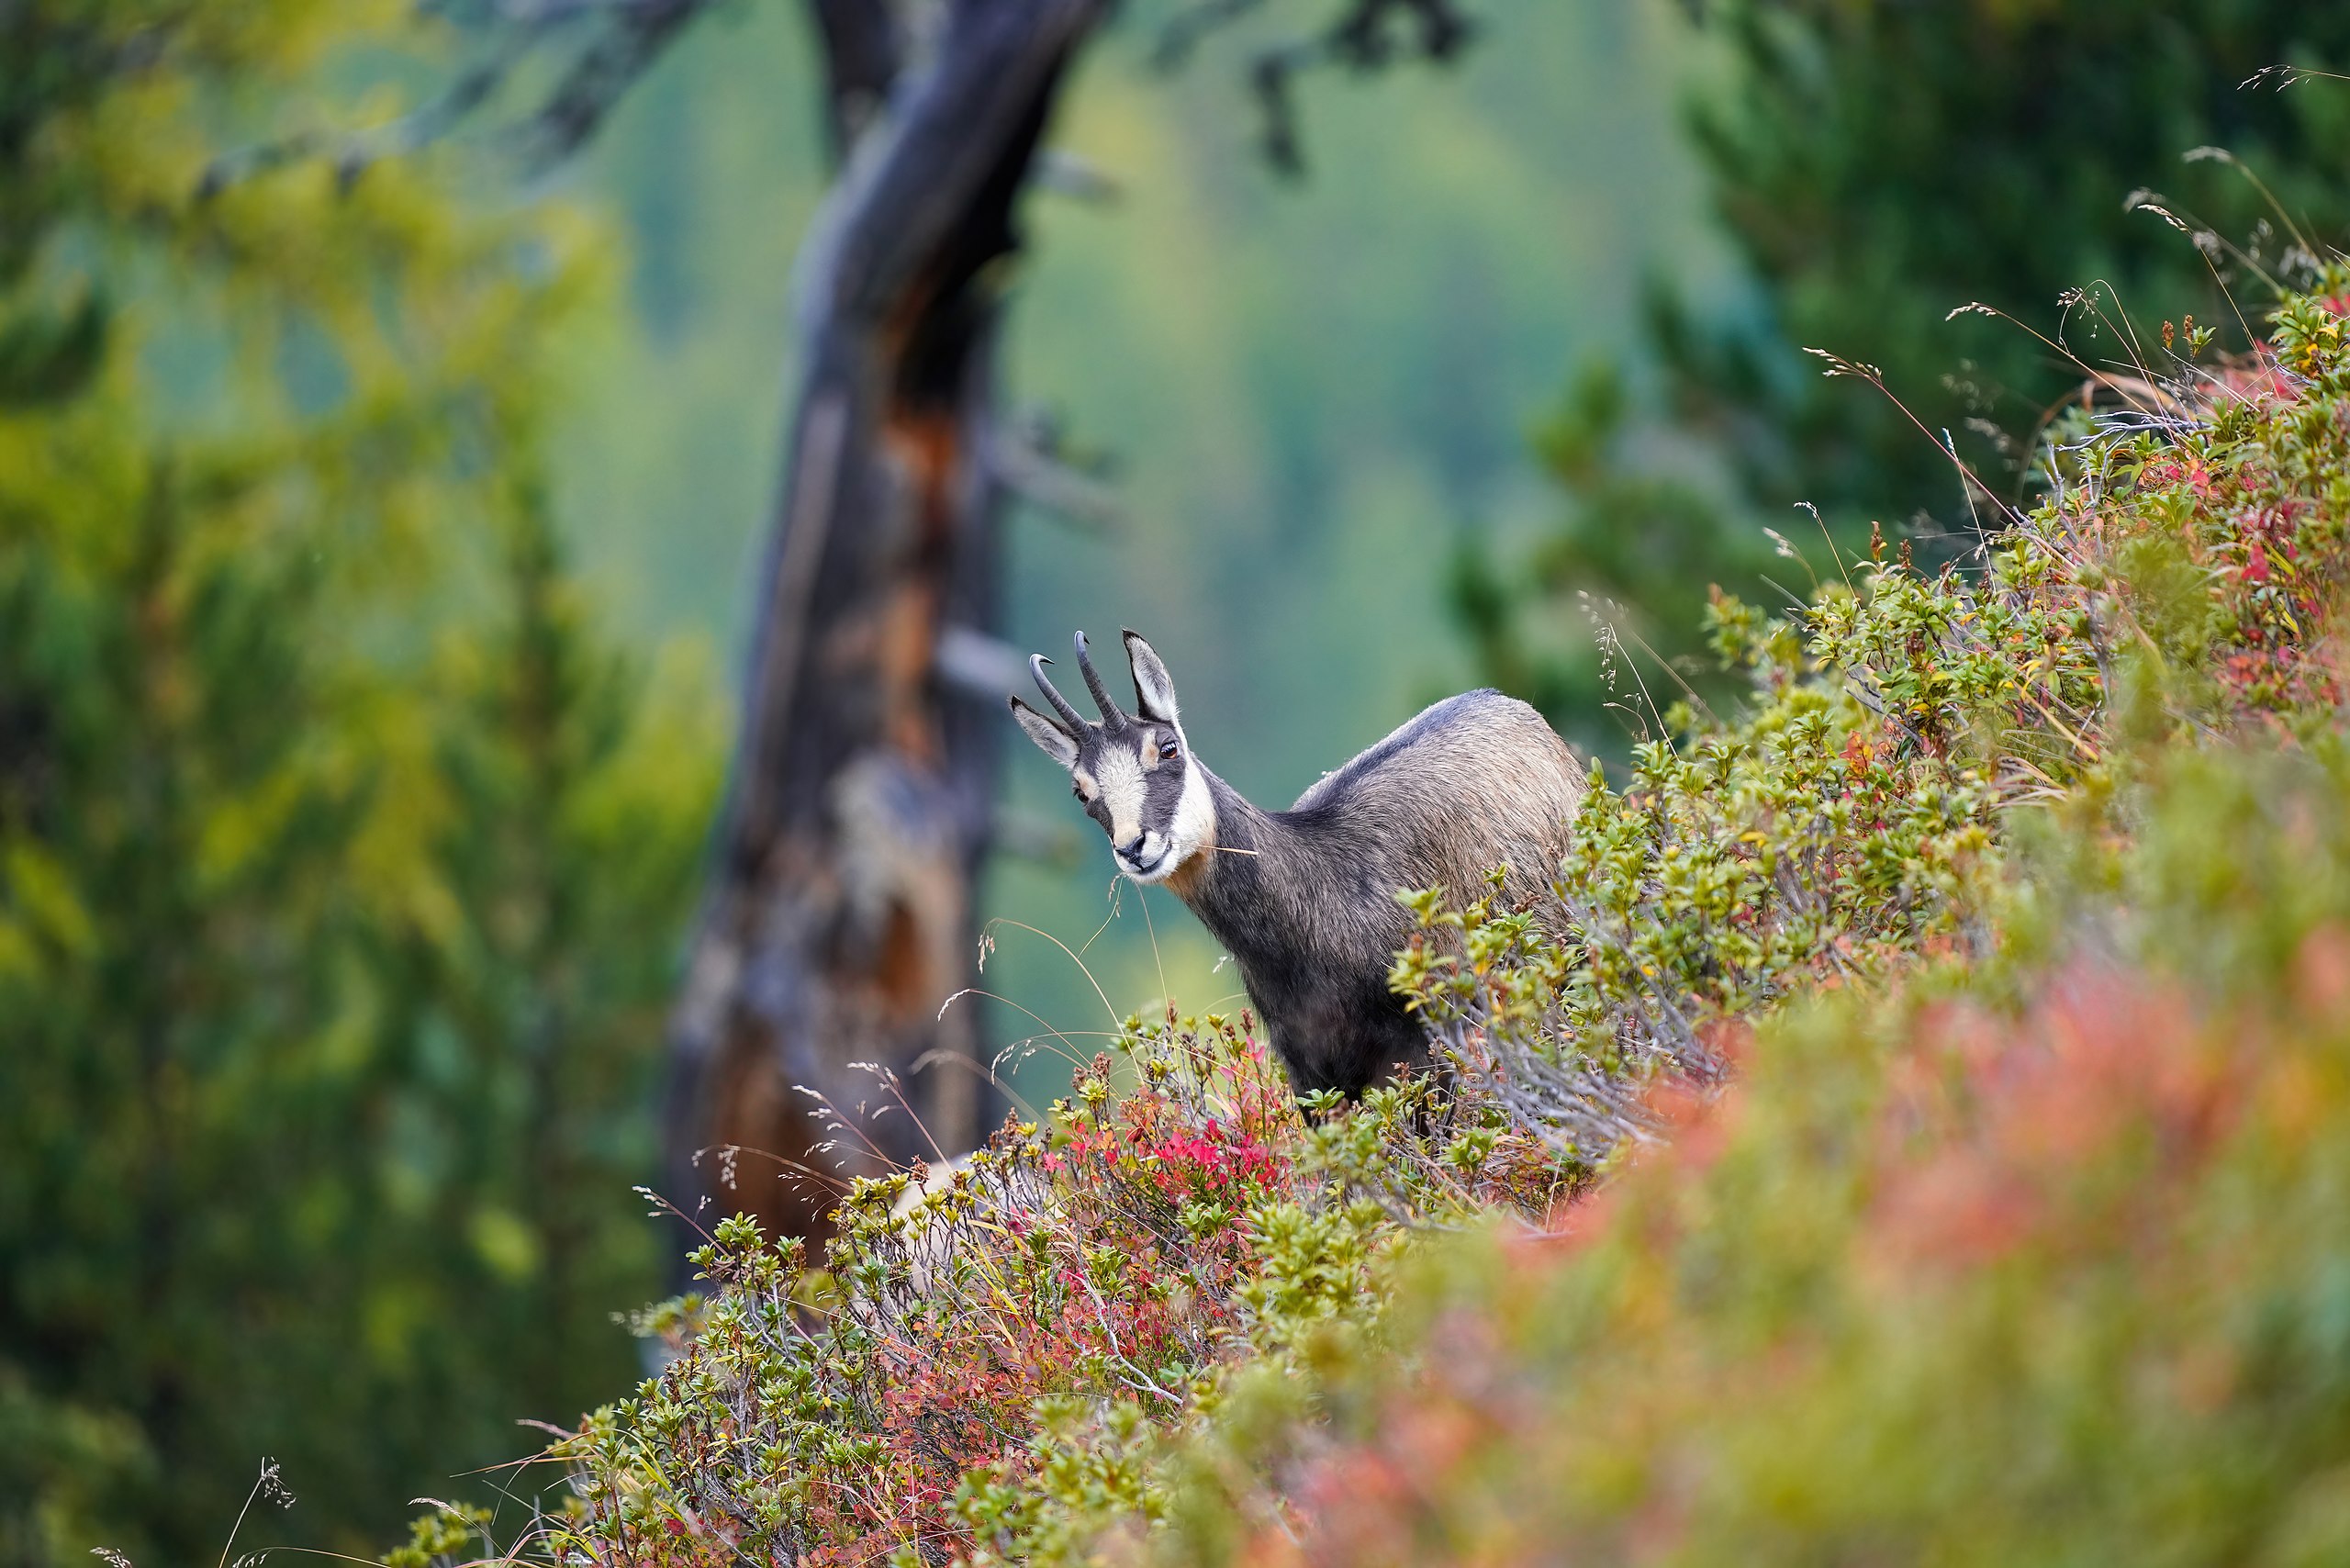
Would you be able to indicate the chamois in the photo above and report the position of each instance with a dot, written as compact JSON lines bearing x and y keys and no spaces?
{"x":1304,"y":900}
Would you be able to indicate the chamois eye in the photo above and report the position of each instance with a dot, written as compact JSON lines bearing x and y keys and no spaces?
{"x":1167,"y":750}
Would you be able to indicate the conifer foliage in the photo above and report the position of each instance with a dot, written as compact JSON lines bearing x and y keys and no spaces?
{"x":1874,"y":167}
{"x":339,"y":863}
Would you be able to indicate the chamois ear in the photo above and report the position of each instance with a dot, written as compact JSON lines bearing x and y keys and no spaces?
{"x":1154,"y":688}
{"x":1050,"y":738}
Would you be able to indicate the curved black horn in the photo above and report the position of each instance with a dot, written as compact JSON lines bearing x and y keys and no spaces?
{"x":1112,"y":715}
{"x":1061,"y":705}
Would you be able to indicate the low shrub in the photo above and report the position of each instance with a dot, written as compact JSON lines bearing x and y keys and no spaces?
{"x":2179,"y":584}
{"x":1937,"y":1278}
{"x":834,"y":1413}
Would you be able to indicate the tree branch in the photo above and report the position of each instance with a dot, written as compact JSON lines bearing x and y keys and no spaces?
{"x":864,"y":49}
{"x":1363,"y":36}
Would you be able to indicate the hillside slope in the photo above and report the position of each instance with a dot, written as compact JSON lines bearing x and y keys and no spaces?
{"x":1932,"y":1146}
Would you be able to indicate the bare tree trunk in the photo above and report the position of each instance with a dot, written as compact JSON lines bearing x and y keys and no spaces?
{"x":839,"y":914}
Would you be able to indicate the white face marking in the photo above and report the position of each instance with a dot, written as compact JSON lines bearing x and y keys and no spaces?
{"x":1118,"y":772}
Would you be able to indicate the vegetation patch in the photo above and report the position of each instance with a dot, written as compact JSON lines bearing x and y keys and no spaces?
{"x":1906,"y":1127}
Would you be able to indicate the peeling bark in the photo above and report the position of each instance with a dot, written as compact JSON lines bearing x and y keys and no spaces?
{"x":839,"y":914}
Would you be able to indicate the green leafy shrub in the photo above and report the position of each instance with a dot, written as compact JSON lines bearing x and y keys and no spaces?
{"x":1938,"y":1279}
{"x":1846,"y":823}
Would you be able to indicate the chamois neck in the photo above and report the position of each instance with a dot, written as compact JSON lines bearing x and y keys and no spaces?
{"x":1228,"y":883}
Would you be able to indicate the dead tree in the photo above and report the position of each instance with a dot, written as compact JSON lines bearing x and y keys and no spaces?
{"x":838,"y":916}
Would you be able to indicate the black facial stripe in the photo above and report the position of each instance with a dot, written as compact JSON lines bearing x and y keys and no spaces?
{"x":1163,"y":797}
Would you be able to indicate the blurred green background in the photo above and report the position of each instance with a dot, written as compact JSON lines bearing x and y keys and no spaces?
{"x":376,"y":555}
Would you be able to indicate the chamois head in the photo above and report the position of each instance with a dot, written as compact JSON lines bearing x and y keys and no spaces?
{"x":1133,"y":772}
